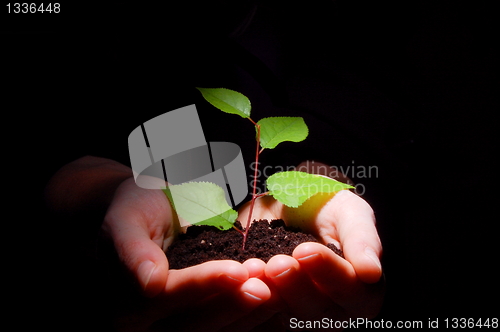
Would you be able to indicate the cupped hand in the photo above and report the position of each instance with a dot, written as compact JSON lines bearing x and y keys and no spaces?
{"x":220,"y":294}
{"x":316,"y":283}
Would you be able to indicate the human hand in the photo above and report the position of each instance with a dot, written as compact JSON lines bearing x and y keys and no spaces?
{"x":220,"y":294}
{"x":316,"y":283}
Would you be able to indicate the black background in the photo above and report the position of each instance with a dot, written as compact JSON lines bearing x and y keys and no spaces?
{"x":409,"y":87}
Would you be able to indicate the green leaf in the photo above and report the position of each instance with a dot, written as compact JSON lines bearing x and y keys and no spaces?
{"x":201,"y":203}
{"x":228,"y":101}
{"x":293,"y":188}
{"x":274,"y":130}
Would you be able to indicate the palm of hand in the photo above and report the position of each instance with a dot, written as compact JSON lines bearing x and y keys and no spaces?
{"x":315,"y":281}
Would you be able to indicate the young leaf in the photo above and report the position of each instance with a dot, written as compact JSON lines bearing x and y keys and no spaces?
{"x":293,"y":188}
{"x":228,"y":101}
{"x":274,"y":130}
{"x":202,"y":203}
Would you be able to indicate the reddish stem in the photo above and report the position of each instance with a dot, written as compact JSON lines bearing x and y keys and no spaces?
{"x":239,"y":230}
{"x":254,"y":189}
{"x":263,"y":194}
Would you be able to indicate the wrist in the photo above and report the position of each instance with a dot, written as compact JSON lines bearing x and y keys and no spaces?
{"x":85,"y":185}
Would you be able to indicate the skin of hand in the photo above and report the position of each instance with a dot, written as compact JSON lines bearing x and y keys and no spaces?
{"x":141,"y":224}
{"x":226,"y":295}
{"x":316,"y":283}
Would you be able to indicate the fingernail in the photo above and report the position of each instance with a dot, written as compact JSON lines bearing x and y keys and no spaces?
{"x":282,"y":273}
{"x":253,"y":296}
{"x":370,"y":253}
{"x":307,"y":257}
{"x":145,"y":271}
{"x":232,"y":278}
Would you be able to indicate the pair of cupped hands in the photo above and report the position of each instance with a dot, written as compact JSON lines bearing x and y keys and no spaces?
{"x":313,"y":284}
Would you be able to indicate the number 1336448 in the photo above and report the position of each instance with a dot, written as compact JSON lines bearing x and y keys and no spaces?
{"x":33,"y":8}
{"x":460,"y":323}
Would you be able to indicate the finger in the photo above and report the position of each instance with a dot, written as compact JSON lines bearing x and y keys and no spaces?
{"x":355,"y":226}
{"x":186,"y":289}
{"x":199,"y":281}
{"x":143,"y":257}
{"x":331,"y":273}
{"x":218,"y":292}
{"x":255,"y":267}
{"x":230,"y":308}
{"x":266,"y":317}
{"x":337,"y":278}
{"x":295,"y":287}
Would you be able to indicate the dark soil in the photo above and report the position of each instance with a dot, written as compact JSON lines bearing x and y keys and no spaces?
{"x":265,"y":240}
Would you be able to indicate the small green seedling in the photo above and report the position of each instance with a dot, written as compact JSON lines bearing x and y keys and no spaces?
{"x":206,"y":201}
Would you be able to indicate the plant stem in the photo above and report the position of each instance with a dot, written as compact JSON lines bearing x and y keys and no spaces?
{"x":263,"y":194}
{"x":239,"y":230}
{"x":254,"y":186}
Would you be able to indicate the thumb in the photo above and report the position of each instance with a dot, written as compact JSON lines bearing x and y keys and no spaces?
{"x":358,"y":235}
{"x":145,"y":259}
{"x":136,"y":223}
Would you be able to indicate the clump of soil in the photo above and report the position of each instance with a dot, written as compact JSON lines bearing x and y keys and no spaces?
{"x":265,"y":240}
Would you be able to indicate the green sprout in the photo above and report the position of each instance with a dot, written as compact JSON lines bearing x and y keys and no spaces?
{"x":206,"y":201}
